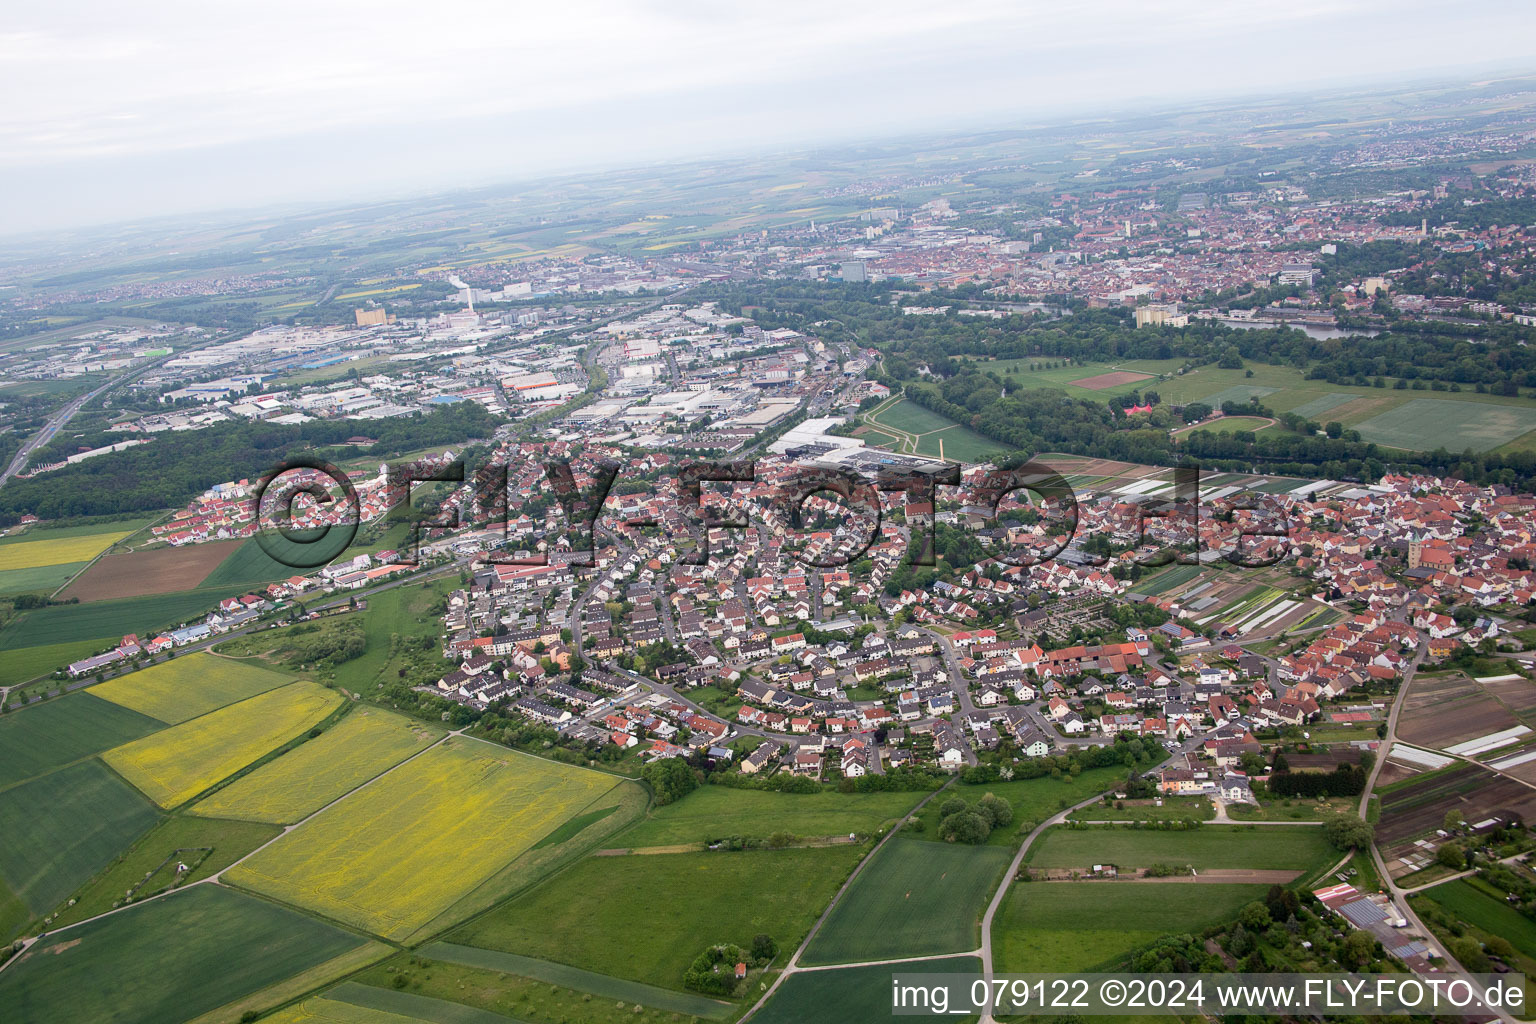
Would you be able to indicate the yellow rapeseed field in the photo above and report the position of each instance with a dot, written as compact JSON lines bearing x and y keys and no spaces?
{"x":30,"y":554}
{"x":174,"y":765}
{"x":184,"y":688}
{"x":398,"y":852}
{"x":363,"y":744}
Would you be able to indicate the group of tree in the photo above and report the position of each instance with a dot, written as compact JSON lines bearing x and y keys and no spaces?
{"x":963,"y":822}
{"x":670,"y":779}
{"x":178,"y":465}
{"x":1345,"y":780}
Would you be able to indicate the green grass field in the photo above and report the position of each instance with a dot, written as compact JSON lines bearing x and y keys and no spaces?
{"x":913,"y":899}
{"x":41,"y":579}
{"x":63,"y":623}
{"x":1174,"y":576}
{"x":715,"y":812}
{"x":1232,"y":424}
{"x":59,"y":830}
{"x":403,"y":611}
{"x":686,"y":902}
{"x":1079,"y":926}
{"x":1173,"y":808}
{"x":666,"y":1000}
{"x":902,"y":425}
{"x":321,"y":1010}
{"x":250,"y":564}
{"x":1318,"y":407}
{"x":376,"y":858}
{"x":1425,"y":424}
{"x":27,"y":663}
{"x":574,"y":827}
{"x":1474,"y":906}
{"x":1210,"y":846}
{"x":183,"y":688}
{"x":167,"y":961}
{"x":1033,"y":801}
{"x":853,"y":993}
{"x":56,"y":732}
{"x":226,"y":841}
{"x":365,"y":743}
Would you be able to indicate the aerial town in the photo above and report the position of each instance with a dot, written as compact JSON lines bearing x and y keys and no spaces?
{"x":947,"y":549}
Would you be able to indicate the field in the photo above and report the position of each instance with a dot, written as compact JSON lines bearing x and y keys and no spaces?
{"x":333,"y":1011}
{"x":1112,"y":379}
{"x":377,"y":859}
{"x":180,"y":836}
{"x":851,"y":994}
{"x":1079,"y":926}
{"x":1417,"y":806}
{"x":173,"y":766}
{"x":1232,"y":424}
{"x":912,"y":899}
{"x":715,"y":812}
{"x":1405,"y":418}
{"x":166,"y":961}
{"x":510,"y":973}
{"x":1172,"y":808}
{"x":30,"y":554}
{"x":585,"y":915}
{"x":65,"y":623}
{"x":1425,"y":424}
{"x":363,"y":744}
{"x":183,"y":688}
{"x":1474,"y":906}
{"x":905,"y":426}
{"x":1033,"y":800}
{"x":1441,"y":711}
{"x":407,"y":611}
{"x":156,"y":571}
{"x":56,"y":732}
{"x":248,"y":563}
{"x":1210,"y":846}
{"x":59,"y":830}
{"x":39,"y":579}
{"x":20,"y":666}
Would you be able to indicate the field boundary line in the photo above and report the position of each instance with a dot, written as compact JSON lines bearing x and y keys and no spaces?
{"x":1002,"y":890}
{"x":216,"y":876}
{"x":791,"y":966}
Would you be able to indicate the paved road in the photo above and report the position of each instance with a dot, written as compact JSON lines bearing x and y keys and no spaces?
{"x":1400,"y":895}
{"x":51,"y":428}
{"x":1002,"y":892}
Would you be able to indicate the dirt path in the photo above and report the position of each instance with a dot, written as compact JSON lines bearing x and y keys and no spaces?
{"x":1213,"y":876}
{"x":647,"y":851}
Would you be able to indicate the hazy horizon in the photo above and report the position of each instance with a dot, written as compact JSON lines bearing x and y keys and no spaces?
{"x":133,"y":115}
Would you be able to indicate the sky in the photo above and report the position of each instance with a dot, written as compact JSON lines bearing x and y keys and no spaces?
{"x":121,"y":111}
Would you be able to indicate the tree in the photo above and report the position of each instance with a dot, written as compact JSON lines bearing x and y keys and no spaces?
{"x":671,"y":778}
{"x":954,"y":805}
{"x":1500,"y":947}
{"x":1254,"y":916}
{"x":764,"y":948}
{"x":1346,"y":831}
{"x":1359,"y":948}
{"x":966,"y":827}
{"x":1453,"y":820}
{"x":997,"y":809}
{"x":1469,"y":953}
{"x":1450,"y":857}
